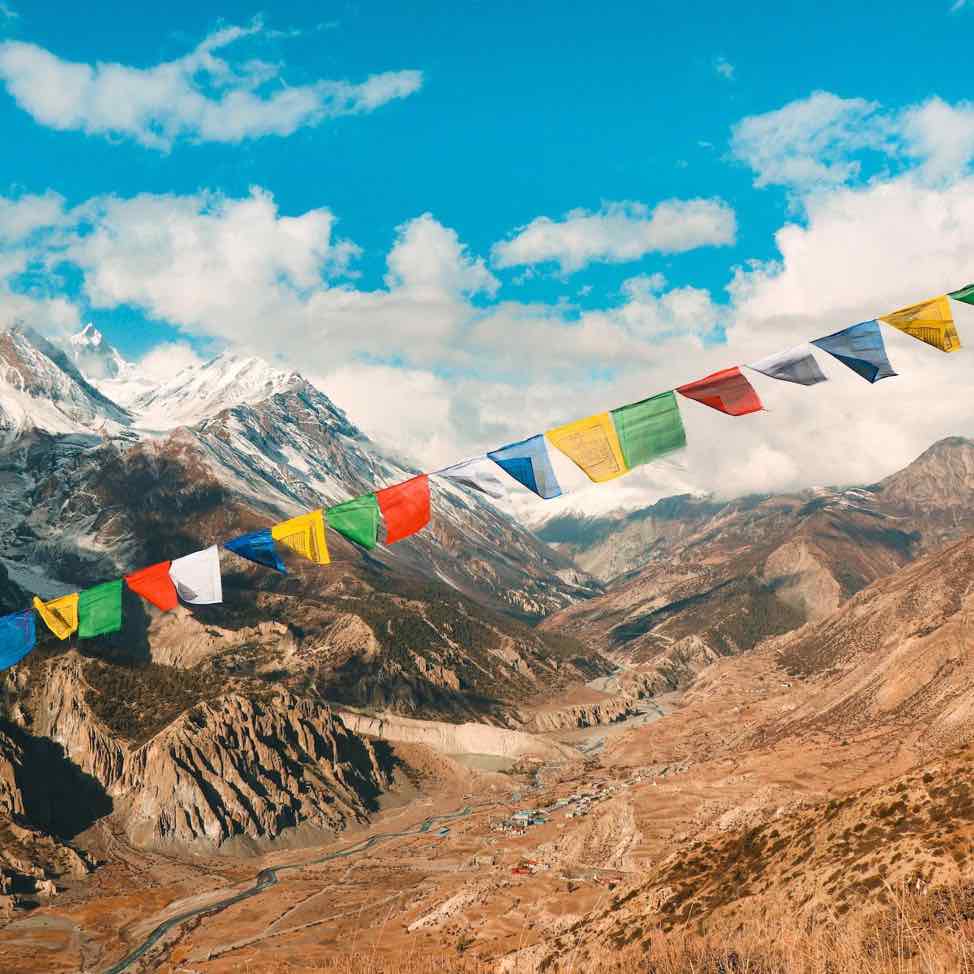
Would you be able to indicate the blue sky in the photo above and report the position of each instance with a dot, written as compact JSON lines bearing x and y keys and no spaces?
{"x":524,"y":111}
{"x":505,"y":113}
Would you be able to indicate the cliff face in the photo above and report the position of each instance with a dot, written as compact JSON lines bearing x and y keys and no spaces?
{"x":31,"y":859}
{"x":466,"y":738}
{"x":236,"y":770}
{"x":230,"y":773}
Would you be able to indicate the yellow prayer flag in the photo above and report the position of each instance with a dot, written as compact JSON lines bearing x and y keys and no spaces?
{"x":59,"y":615}
{"x":930,"y":321}
{"x":305,"y":535}
{"x":593,"y":444}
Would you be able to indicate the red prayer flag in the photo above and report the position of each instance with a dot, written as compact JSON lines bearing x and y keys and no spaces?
{"x":405,"y":507}
{"x":728,"y":390}
{"x":154,"y":585}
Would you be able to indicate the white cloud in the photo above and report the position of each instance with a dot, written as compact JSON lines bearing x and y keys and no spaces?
{"x":961,"y":5}
{"x":810,"y":142}
{"x":819,"y":142}
{"x":619,"y":232}
{"x":939,"y":134}
{"x":724,"y":68}
{"x":439,"y":363}
{"x":166,"y":359}
{"x":199,"y":97}
{"x":23,"y":215}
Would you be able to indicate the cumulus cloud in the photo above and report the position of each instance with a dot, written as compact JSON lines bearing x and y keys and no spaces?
{"x":199,"y":97}
{"x":939,"y":134}
{"x":810,"y":142}
{"x":820,"y":142}
{"x":167,"y":358}
{"x":439,"y":363}
{"x":618,"y":232}
{"x":23,"y":215}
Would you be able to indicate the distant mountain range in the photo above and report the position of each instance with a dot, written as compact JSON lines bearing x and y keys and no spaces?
{"x":690,"y":579}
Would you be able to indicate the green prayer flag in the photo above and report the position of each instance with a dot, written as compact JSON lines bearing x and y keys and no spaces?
{"x":100,"y":610}
{"x":649,"y":429}
{"x":357,"y":520}
{"x":965,"y":294}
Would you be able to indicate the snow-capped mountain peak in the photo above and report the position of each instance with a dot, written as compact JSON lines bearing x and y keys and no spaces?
{"x":201,"y":391}
{"x":41,"y":388}
{"x":95,"y":357}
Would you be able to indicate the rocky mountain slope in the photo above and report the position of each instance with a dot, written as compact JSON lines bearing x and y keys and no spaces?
{"x":258,"y":436}
{"x":722,"y":577}
{"x":934,"y":492}
{"x":829,"y":772}
{"x":233,"y":769}
{"x":266,"y":444}
{"x":209,"y":730}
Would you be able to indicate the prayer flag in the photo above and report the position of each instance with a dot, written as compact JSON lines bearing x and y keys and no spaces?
{"x":529,"y":464}
{"x":477,"y":472}
{"x":592,"y":443}
{"x":197,"y":577}
{"x":727,"y":391}
{"x":59,"y":615}
{"x":100,"y":610}
{"x":154,"y":585}
{"x":405,"y":507}
{"x":965,"y":294}
{"x":305,"y":535}
{"x":649,"y":429}
{"x":796,"y":365}
{"x":861,"y":348}
{"x":18,"y":636}
{"x":930,"y":321}
{"x":258,"y":547}
{"x":357,"y":520}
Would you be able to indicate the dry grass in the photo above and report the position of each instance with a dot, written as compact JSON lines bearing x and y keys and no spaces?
{"x":929,"y":933}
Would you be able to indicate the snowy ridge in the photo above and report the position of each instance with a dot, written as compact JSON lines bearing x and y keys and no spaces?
{"x":77,"y":503}
{"x":201,"y":391}
{"x":41,"y":390}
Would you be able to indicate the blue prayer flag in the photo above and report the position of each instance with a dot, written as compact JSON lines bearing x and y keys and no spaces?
{"x":18,"y":635}
{"x":529,"y":464}
{"x":259,"y":547}
{"x":861,"y":348}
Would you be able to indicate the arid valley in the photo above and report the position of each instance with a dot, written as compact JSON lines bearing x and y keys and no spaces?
{"x":752,"y":739}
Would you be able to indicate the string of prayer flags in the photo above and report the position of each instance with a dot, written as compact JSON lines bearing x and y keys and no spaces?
{"x":197,"y":577}
{"x":100,"y":610}
{"x":930,"y":321}
{"x":529,"y":464}
{"x":965,"y":294}
{"x":861,"y":348}
{"x":18,"y":636}
{"x":155,"y":585}
{"x":477,"y":472}
{"x":593,"y":445}
{"x":649,"y":429}
{"x":60,"y":615}
{"x":604,"y":446}
{"x":304,"y":534}
{"x":405,"y":507}
{"x":796,"y":365}
{"x":727,"y":391}
{"x":357,"y":520}
{"x":258,"y":547}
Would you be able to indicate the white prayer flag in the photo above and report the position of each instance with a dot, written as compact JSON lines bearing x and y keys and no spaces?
{"x":477,"y":472}
{"x":796,"y":365}
{"x":197,"y":577}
